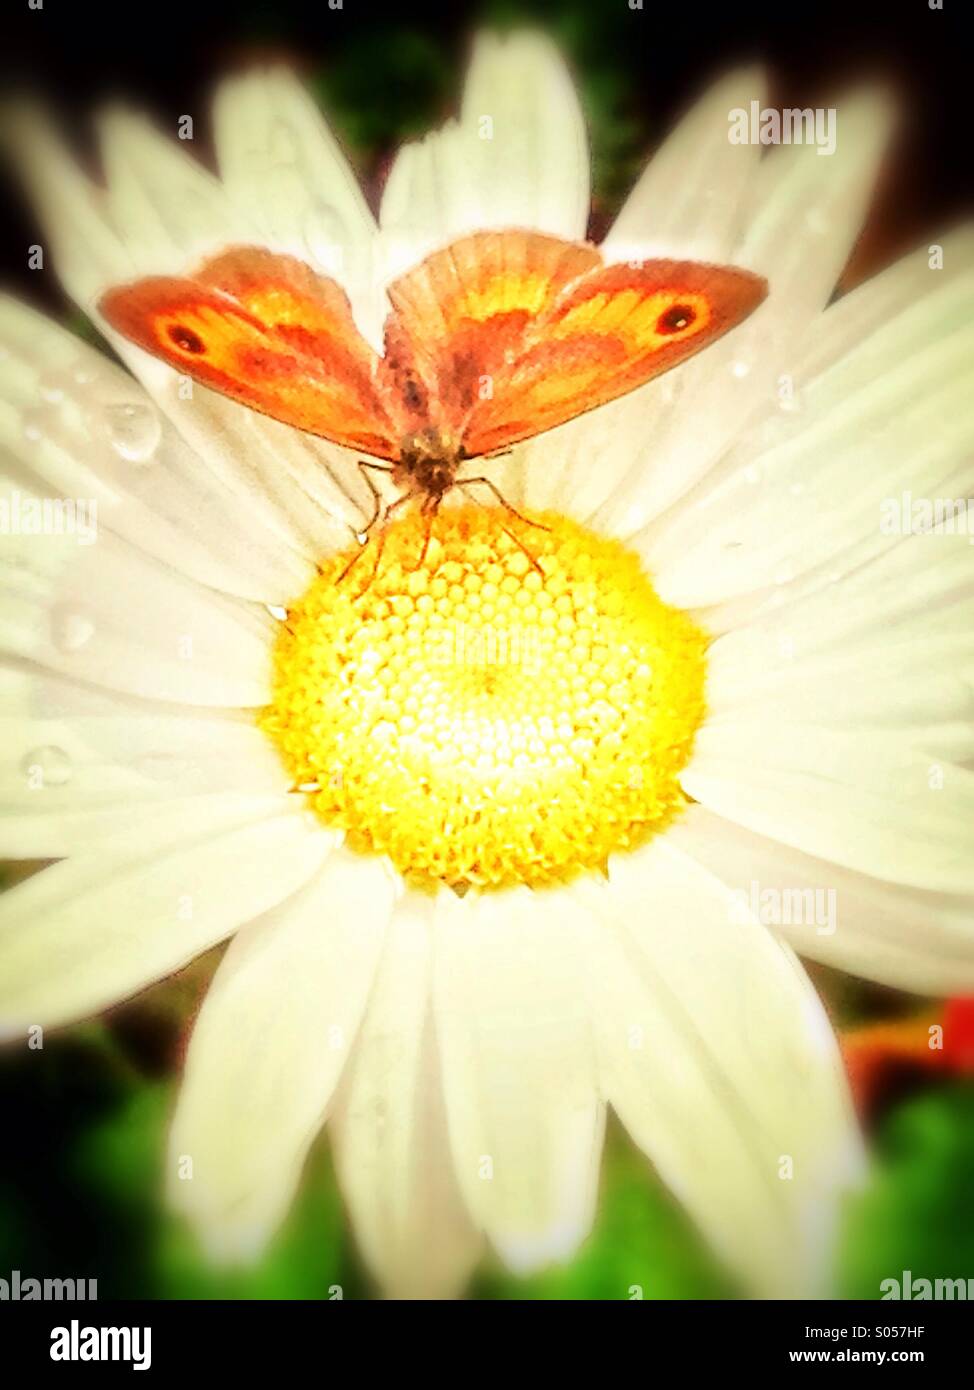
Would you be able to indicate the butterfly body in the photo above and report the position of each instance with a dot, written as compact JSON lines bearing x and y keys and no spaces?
{"x":427,"y":464}
{"x":494,"y":339}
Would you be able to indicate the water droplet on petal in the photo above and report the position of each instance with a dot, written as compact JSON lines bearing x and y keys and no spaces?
{"x":277,"y":611}
{"x":752,"y":473}
{"x":741,"y":369}
{"x":134,"y":430}
{"x":71,"y":628}
{"x":47,"y":767}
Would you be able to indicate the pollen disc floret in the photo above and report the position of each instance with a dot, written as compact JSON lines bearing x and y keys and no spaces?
{"x":477,"y":721}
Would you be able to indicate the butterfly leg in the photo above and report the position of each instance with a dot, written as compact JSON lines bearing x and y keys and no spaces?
{"x":431,"y":506}
{"x":380,"y":546}
{"x":462,"y":482}
{"x":499,"y":496}
{"x":365,"y":467}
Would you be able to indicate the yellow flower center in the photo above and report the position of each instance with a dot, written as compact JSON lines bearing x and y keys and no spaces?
{"x":481,"y":722}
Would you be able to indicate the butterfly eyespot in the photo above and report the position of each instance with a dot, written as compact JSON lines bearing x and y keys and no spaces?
{"x":675,"y":318}
{"x":186,"y":339}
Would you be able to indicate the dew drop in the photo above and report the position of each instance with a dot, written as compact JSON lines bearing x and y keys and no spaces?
{"x":277,"y":611}
{"x":752,"y":473}
{"x":134,"y":431}
{"x":741,"y":369}
{"x":71,"y":628}
{"x":47,"y":767}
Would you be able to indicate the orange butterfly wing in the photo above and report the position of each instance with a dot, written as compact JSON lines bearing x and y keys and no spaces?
{"x":265,"y":330}
{"x":461,"y":314}
{"x":515,"y":332}
{"x":497,"y":337}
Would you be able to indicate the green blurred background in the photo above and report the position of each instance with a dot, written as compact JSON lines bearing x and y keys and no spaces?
{"x":84,"y":1120}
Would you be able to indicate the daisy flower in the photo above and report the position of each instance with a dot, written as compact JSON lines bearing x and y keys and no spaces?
{"x":497,"y":845}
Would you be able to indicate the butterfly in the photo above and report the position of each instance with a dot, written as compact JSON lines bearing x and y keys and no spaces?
{"x":490,"y":341}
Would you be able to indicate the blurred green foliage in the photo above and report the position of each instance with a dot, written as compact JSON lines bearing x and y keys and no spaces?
{"x":390,"y":86}
{"x":916,"y":1214}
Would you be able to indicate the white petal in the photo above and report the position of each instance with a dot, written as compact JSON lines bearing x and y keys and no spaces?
{"x":517,"y":157}
{"x":691,"y":202}
{"x":106,"y":614}
{"x":867,"y":800}
{"x":389,"y":1129}
{"x":78,"y":762}
{"x":167,"y":209}
{"x":526,"y":1127}
{"x":162,"y":212}
{"x":719,"y":1059}
{"x":923,"y":691}
{"x":920,"y":589}
{"x":273,"y":1035}
{"x":98,"y":927}
{"x":83,"y":430}
{"x":692,"y":199}
{"x":878,"y":415}
{"x":173,"y":213}
{"x":89,"y":254}
{"x":283,"y":167}
{"x":865,"y":313}
{"x":802,"y":223}
{"x":904,"y":937}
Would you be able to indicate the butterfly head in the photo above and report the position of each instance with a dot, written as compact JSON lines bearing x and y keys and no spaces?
{"x":428,"y":462}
